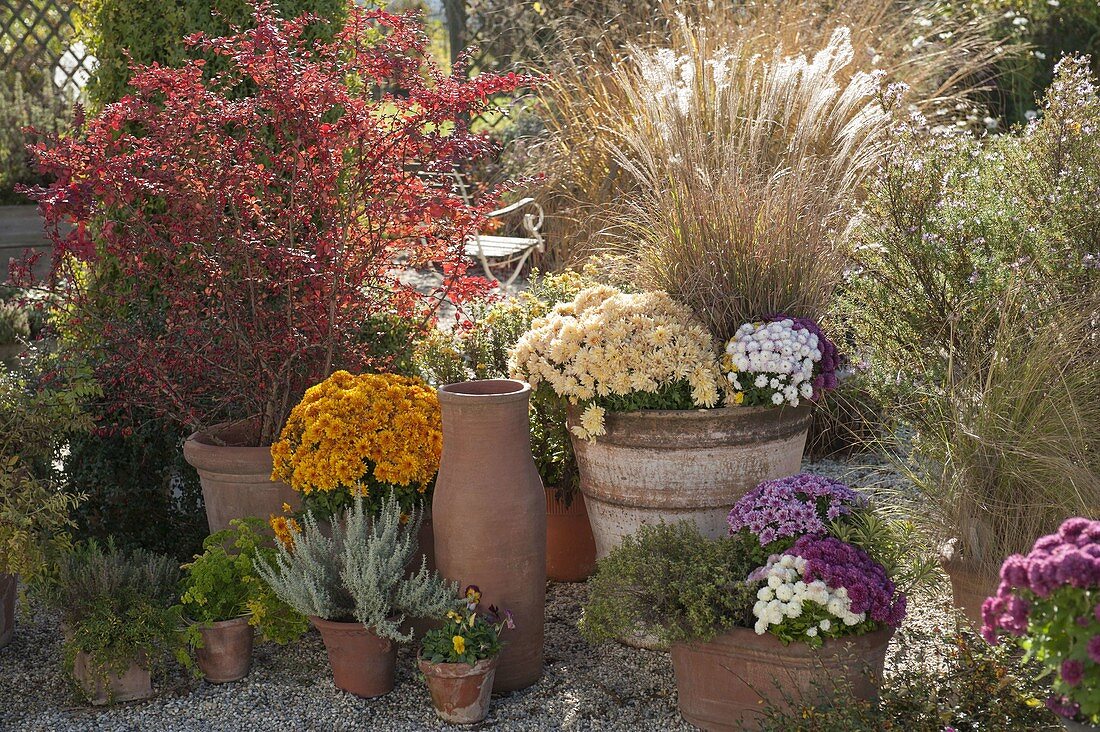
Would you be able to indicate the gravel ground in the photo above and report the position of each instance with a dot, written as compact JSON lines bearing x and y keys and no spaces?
{"x":610,"y":687}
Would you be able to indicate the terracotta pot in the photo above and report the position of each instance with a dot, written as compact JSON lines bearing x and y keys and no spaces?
{"x":570,"y":548}
{"x":8,"y":586}
{"x":969,"y":588}
{"x":489,"y":512}
{"x":236,"y":481}
{"x":723,"y":684}
{"x":362,"y":663}
{"x":460,"y":692}
{"x":226,"y":653}
{"x":135,"y":683}
{"x":684,"y":464}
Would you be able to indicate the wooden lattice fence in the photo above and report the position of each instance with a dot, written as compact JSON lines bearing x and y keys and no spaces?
{"x":38,"y":37}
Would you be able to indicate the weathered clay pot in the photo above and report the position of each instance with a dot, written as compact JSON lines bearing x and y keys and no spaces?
{"x":720,"y":684}
{"x":8,"y":585}
{"x":236,"y":480}
{"x":570,"y":548}
{"x":226,"y":653}
{"x":460,"y":692}
{"x":489,"y":512}
{"x":136,"y":683}
{"x":362,"y":663}
{"x":684,"y":464}
{"x":969,"y":589}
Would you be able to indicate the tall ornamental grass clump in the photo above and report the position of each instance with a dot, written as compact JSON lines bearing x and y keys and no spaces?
{"x":747,"y":170}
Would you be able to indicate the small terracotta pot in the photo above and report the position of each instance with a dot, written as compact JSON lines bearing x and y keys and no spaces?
{"x":674,"y":465}
{"x":570,"y":548}
{"x":236,"y":480}
{"x":226,"y":653}
{"x":723,"y":684}
{"x":362,"y":663}
{"x":969,"y":588}
{"x":460,"y":692}
{"x":8,"y":583}
{"x":489,"y":511}
{"x":134,"y":684}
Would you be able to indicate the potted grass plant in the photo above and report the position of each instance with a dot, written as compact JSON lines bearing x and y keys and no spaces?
{"x":798,"y":588}
{"x":459,"y":659}
{"x":225,"y":601}
{"x":1048,"y":603}
{"x":222,"y":304}
{"x":120,"y":619}
{"x":353,"y":582}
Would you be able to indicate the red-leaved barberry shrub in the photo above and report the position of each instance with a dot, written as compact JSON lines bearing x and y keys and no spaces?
{"x":232,"y":236}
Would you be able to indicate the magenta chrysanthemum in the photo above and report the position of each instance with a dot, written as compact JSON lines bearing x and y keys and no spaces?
{"x":839,"y":564}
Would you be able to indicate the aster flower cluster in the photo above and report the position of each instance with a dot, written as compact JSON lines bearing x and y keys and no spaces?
{"x":779,"y":362}
{"x":1049,"y":603}
{"x":793,"y":506}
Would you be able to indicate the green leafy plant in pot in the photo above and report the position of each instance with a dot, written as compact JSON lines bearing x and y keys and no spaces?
{"x":354,"y":583}
{"x":120,"y":619}
{"x":224,"y":599}
{"x":459,"y":659}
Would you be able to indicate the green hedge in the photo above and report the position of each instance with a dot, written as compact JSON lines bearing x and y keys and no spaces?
{"x":153,"y":32}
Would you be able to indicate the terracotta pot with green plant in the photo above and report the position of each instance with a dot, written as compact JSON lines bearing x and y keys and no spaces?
{"x":35,"y":512}
{"x":353,"y":582}
{"x":459,"y":659}
{"x":224,"y":599}
{"x":235,"y":299}
{"x":796,"y":593}
{"x":120,"y":619}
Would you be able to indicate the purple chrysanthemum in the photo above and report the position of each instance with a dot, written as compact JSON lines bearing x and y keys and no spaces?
{"x":793,"y":506}
{"x":839,"y":564}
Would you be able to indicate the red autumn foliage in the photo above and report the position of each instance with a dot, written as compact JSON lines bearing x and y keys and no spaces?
{"x":233,"y":236}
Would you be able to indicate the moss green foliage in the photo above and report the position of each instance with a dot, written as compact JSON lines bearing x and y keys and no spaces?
{"x":221,"y":583}
{"x":466,"y":636}
{"x":358,"y":570}
{"x":36,"y":416}
{"x":119,"y":608}
{"x":670,"y":580}
{"x":154,"y":32}
{"x":938,"y":682}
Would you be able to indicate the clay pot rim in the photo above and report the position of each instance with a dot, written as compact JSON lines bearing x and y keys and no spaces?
{"x":457,"y":670}
{"x":495,"y":391}
{"x":698,"y":413}
{"x":232,"y":433}
{"x":219,"y":624}
{"x":770,"y":642}
{"x":318,"y":621}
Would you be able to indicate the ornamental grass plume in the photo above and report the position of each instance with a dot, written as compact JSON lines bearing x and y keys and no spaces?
{"x":746,"y":172}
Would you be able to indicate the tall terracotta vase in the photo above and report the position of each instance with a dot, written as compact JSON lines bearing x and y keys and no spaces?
{"x":236,"y":478}
{"x":489,"y":512}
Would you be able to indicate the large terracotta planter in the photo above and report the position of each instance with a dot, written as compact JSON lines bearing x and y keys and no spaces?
{"x":8,"y":584}
{"x":489,"y":512}
{"x":969,"y":588}
{"x":689,"y":464}
{"x":362,"y":663}
{"x":725,"y":683}
{"x":226,"y":653}
{"x":134,"y":684}
{"x":570,"y":548}
{"x":236,"y":480}
{"x":460,"y":692}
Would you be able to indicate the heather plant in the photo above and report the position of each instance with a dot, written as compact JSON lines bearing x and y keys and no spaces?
{"x":119,"y":608}
{"x":358,"y":571}
{"x":1048,"y":602}
{"x":291,"y":253}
